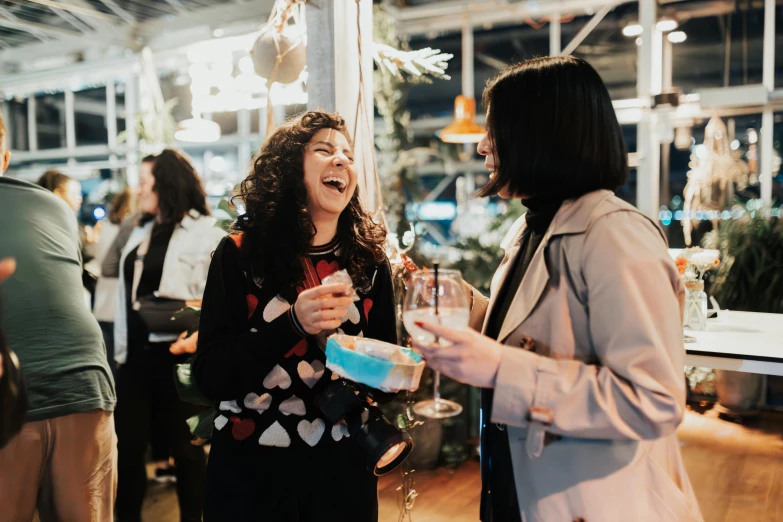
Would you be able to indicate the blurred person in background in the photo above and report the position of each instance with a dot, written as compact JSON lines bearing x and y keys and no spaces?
{"x":161,"y":261}
{"x":63,"y":462}
{"x":106,"y":287}
{"x":121,"y":220}
{"x":70,"y":191}
{"x":64,"y":187}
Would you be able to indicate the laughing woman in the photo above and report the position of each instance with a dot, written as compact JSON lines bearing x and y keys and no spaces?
{"x":273,"y":457}
{"x":581,"y":357}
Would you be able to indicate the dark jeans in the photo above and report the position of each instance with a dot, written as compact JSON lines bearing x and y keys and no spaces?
{"x":147,"y":400}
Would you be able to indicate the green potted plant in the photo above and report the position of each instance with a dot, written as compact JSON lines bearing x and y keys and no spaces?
{"x":750,"y":279}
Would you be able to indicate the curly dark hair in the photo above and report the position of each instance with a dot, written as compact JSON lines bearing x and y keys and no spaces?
{"x":277,"y":226}
{"x":178,"y":186}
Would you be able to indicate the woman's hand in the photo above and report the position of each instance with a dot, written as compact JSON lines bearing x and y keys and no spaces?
{"x":322,"y":308}
{"x":471,"y":359}
{"x":193,"y":303}
{"x":184,"y":344}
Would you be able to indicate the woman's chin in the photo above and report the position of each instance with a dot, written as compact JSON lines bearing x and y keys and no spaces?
{"x":329,"y":209}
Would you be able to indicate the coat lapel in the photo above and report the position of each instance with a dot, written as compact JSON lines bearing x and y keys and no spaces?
{"x":529,"y":291}
{"x":572,"y":218}
{"x":511,"y":245}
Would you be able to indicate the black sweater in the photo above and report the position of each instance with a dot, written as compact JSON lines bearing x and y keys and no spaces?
{"x":253,"y":359}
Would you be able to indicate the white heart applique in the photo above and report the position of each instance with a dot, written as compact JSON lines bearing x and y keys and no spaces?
{"x":275,"y":308}
{"x":231,"y":406}
{"x":277,"y":377}
{"x":353,"y":314}
{"x":293,"y":405}
{"x":259,"y":403}
{"x":275,"y":435}
{"x":339,"y":431}
{"x":310,"y":373}
{"x":220,"y":422}
{"x":311,"y":432}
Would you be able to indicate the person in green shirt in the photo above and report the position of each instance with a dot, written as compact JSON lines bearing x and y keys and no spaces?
{"x":63,"y":462}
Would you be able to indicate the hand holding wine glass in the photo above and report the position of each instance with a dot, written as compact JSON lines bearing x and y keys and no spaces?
{"x":437,"y":297}
{"x":469,"y":357}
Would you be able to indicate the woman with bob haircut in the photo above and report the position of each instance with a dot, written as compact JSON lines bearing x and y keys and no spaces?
{"x":581,"y":356}
{"x":264,"y":321}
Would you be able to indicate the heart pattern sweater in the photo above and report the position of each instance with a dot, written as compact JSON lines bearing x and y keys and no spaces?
{"x":255,"y":360}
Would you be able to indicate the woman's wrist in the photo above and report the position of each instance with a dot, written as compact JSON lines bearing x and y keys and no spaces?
{"x":295,"y":321}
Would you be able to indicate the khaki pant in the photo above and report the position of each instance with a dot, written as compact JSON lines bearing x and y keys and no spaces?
{"x":65,"y":467}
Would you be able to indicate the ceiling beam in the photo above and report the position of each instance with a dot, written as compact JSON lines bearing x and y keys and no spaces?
{"x":586,"y":30}
{"x":115,"y":8}
{"x":7,"y":13}
{"x":36,"y":28}
{"x":84,"y":9}
{"x":161,"y":35}
{"x":449,"y":15}
{"x":177,"y":5}
{"x":73,"y":20}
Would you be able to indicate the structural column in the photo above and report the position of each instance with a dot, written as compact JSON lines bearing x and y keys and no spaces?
{"x":554,"y":35}
{"x":766,"y":145}
{"x":131,"y":110}
{"x":648,"y":82}
{"x":334,"y":75}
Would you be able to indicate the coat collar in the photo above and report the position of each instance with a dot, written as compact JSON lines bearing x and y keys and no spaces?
{"x":573,"y":217}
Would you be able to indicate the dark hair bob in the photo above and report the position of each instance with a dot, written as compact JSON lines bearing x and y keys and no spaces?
{"x":554,"y":130}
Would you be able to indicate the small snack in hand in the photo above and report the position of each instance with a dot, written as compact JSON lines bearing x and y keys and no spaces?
{"x":381,"y":350}
{"x":342,"y":277}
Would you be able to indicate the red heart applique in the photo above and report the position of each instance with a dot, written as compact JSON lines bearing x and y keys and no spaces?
{"x":367,"y":307}
{"x":324,"y":269}
{"x":243,"y":428}
{"x":252,"y":303}
{"x":299,"y":350}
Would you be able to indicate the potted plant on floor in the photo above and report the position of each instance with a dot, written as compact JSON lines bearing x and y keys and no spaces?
{"x":749,"y":279}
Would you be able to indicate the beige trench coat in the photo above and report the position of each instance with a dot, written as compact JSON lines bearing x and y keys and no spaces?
{"x":592,"y":400}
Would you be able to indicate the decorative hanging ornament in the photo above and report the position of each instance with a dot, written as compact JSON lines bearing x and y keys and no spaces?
{"x":713,"y":176}
{"x":280,"y":52}
{"x":279,"y":58}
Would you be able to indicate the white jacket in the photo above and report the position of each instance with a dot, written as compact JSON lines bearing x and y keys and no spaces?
{"x":185,"y":270}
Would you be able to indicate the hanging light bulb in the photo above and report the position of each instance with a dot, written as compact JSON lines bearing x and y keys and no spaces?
{"x":464,"y":129}
{"x":677,"y":37}
{"x":633,"y":29}
{"x":197,"y":130}
{"x":666,"y":24}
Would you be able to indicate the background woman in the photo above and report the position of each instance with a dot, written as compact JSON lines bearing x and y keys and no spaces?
{"x":264,"y":321}
{"x":163,"y":267}
{"x":581,"y":357}
{"x":106,"y":287}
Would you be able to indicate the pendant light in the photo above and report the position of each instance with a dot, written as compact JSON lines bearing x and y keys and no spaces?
{"x":464,"y":129}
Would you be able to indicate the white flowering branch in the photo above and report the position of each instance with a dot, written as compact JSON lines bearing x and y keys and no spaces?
{"x":417,"y":63}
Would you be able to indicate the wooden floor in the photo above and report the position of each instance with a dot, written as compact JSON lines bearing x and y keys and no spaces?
{"x":736,"y":471}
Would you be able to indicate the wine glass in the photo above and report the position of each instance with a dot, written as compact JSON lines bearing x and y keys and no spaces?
{"x":436,"y":296}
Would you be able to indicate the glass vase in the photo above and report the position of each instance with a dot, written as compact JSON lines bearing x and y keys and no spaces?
{"x":695,"y":317}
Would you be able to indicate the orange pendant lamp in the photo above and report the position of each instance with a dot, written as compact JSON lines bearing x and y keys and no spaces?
{"x":464,"y":129}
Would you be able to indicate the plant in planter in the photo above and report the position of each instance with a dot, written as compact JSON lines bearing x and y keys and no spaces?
{"x":750,"y":279}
